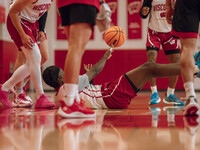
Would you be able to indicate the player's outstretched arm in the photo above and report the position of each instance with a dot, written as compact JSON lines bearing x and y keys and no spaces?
{"x":169,"y":11}
{"x":98,"y":67}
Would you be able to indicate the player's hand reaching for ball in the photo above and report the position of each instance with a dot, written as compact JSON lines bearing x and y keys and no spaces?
{"x":108,"y":53}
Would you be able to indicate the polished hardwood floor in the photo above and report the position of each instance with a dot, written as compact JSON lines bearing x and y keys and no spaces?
{"x":140,"y":127}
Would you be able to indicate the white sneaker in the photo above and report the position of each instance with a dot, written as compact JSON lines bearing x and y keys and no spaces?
{"x":22,"y":101}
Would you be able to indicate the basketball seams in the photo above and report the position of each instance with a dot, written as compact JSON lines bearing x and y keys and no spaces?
{"x":114,"y":35}
{"x":118,"y":37}
{"x":112,"y":38}
{"x":123,"y":36}
{"x":108,"y":32}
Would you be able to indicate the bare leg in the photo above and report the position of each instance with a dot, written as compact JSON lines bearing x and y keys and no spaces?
{"x":44,"y":51}
{"x":173,"y":58}
{"x":152,"y":56}
{"x":140,"y":75}
{"x":79,"y":35}
{"x":187,"y":64}
{"x":187,"y":59}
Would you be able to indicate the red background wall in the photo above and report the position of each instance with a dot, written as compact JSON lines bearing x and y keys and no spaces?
{"x":8,"y":54}
{"x":121,"y":62}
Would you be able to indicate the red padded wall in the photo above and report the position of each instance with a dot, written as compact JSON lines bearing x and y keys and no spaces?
{"x":8,"y":54}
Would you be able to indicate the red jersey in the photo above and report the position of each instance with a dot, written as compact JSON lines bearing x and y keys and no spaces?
{"x":61,"y":3}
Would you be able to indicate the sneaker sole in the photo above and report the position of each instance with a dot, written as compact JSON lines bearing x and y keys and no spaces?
{"x":172,"y":103}
{"x":191,"y":110}
{"x":157,"y":102}
{"x":24,"y":106}
{"x":74,"y":114}
{"x":76,"y":122}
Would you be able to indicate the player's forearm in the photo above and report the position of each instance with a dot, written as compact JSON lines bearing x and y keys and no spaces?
{"x":97,"y":68}
{"x":168,"y":3}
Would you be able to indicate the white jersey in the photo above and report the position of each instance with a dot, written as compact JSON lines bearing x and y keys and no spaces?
{"x":35,"y":10}
{"x":157,"y":20}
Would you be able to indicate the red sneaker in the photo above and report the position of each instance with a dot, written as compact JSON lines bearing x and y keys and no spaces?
{"x":76,"y":110}
{"x":4,"y":98}
{"x":43,"y":102}
{"x":22,"y":101}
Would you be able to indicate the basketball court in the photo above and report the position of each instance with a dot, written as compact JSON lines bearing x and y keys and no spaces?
{"x":140,"y":127}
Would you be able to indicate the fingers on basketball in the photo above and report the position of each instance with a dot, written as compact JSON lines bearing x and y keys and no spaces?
{"x":114,"y":36}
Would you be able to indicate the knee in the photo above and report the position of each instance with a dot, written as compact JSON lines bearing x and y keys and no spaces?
{"x":187,"y":63}
{"x":150,"y":67}
{"x":35,"y":59}
{"x":76,"y":52}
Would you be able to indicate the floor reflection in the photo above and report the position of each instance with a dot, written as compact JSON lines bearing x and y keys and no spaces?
{"x":23,"y":129}
{"x":159,"y":127}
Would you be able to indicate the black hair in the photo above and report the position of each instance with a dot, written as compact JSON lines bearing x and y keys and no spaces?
{"x":50,"y":76}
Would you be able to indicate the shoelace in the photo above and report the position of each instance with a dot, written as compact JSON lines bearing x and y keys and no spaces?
{"x":22,"y":96}
{"x":154,"y":95}
{"x":174,"y":99}
{"x":197,"y":59}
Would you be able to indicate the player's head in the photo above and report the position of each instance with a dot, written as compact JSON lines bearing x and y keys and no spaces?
{"x":53,"y":76}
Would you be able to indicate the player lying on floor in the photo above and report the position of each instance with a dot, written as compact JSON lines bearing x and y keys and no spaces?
{"x":115,"y":94}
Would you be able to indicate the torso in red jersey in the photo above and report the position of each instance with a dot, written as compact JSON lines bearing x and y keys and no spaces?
{"x":61,"y":3}
{"x":35,"y":10}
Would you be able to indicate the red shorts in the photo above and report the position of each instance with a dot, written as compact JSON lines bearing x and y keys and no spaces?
{"x":118,"y":94}
{"x":168,"y":42}
{"x":29,"y":28}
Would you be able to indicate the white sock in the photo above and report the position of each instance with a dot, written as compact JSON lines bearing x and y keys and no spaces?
{"x":25,"y":81}
{"x":70,"y":93}
{"x":18,"y":90}
{"x":154,"y":89}
{"x":21,"y":73}
{"x":170,"y":91}
{"x":189,"y":89}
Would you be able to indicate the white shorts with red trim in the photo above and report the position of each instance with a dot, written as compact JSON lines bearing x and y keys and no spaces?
{"x":93,"y":97}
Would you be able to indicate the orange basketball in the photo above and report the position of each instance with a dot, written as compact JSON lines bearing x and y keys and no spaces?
{"x":114,"y":36}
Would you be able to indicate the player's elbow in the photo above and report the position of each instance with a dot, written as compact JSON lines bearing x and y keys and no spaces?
{"x":12,"y":12}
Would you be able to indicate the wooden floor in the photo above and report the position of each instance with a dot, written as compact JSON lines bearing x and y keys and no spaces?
{"x":141,"y":127}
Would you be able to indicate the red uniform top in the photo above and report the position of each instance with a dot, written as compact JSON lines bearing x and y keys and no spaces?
{"x":61,"y":3}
